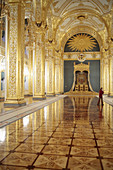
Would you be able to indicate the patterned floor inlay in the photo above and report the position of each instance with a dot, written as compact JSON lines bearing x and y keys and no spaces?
{"x":78,"y":163}
{"x":51,"y":161}
{"x":84,"y":151}
{"x":56,"y":149}
{"x":107,"y":164}
{"x":69,"y":134}
{"x":8,"y":167}
{"x":23,"y":159}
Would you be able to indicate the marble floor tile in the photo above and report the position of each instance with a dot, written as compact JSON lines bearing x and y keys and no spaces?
{"x":83,"y":135}
{"x":56,"y":149}
{"x":62,"y":134}
{"x":82,"y":126}
{"x":3,"y":155}
{"x":22,"y":159}
{"x":105,"y":143}
{"x":83,"y":142}
{"x":37,"y":139}
{"x":45,"y":130}
{"x":103,"y":131}
{"x":59,"y":141}
{"x":51,"y":161}
{"x":84,"y":151}
{"x":8,"y":146}
{"x":29,"y":147}
{"x":78,"y":163}
{"x":63,"y":130}
{"x":107,"y":164}
{"x":12,"y":138}
{"x":8,"y":167}
{"x":104,"y":136}
{"x":106,"y":152}
{"x":42,"y":134}
{"x":82,"y":130}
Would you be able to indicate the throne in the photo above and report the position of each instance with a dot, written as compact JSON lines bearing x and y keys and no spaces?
{"x":81,"y":78}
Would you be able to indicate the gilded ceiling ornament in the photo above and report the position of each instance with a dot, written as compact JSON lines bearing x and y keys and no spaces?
{"x":81,"y":57}
{"x":81,"y":42}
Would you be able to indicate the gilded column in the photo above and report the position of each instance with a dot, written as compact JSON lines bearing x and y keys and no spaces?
{"x":39,"y":67}
{"x":15,"y":54}
{"x":106,"y":76}
{"x":111,"y":54}
{"x":50,"y":74}
{"x":102,"y":68}
{"x":57,"y":76}
{"x":30,"y":72}
{"x":111,"y":70}
{"x":62,"y":76}
{"x":101,"y":73}
{"x":0,"y":58}
{"x":0,"y":80}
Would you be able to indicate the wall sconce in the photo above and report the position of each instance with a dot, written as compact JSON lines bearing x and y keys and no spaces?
{"x":106,"y":49}
{"x":39,"y":24}
{"x":50,"y":41}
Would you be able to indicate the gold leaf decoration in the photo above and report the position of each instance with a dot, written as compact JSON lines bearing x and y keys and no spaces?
{"x":81,"y":42}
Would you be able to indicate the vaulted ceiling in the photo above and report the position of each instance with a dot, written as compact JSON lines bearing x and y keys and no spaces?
{"x":65,"y":18}
{"x":84,"y":16}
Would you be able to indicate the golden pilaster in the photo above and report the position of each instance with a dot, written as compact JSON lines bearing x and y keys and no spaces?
{"x":111,"y":73}
{"x":62,"y":76}
{"x":106,"y":76}
{"x":15,"y":54}
{"x":50,"y":74}
{"x":39,"y":67}
{"x":57,"y":75}
{"x":101,"y":73}
{"x":0,"y":59}
{"x":102,"y":69}
{"x":30,"y":72}
{"x":0,"y":82}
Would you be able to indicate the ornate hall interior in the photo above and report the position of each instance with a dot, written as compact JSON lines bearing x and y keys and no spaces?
{"x":55,"y":55}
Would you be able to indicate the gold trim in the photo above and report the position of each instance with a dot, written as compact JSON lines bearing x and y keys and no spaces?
{"x":85,"y":60}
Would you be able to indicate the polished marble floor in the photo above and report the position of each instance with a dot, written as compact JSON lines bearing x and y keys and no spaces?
{"x":28,"y":100}
{"x":71,"y":134}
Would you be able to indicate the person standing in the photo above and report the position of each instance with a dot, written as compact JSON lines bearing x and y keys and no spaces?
{"x":101,"y":92}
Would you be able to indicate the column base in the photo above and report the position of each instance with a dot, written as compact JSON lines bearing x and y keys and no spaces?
{"x":1,"y":99}
{"x":28,"y":95}
{"x":39,"y":97}
{"x":15,"y":102}
{"x":106,"y":93}
{"x":110,"y":94}
{"x":50,"y":94}
{"x":58,"y":94}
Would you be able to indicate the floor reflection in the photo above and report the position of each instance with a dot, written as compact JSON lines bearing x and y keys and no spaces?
{"x":72,"y":133}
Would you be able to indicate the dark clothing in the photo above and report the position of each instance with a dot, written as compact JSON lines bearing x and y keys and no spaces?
{"x":100,"y":93}
{"x":100,"y":97}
